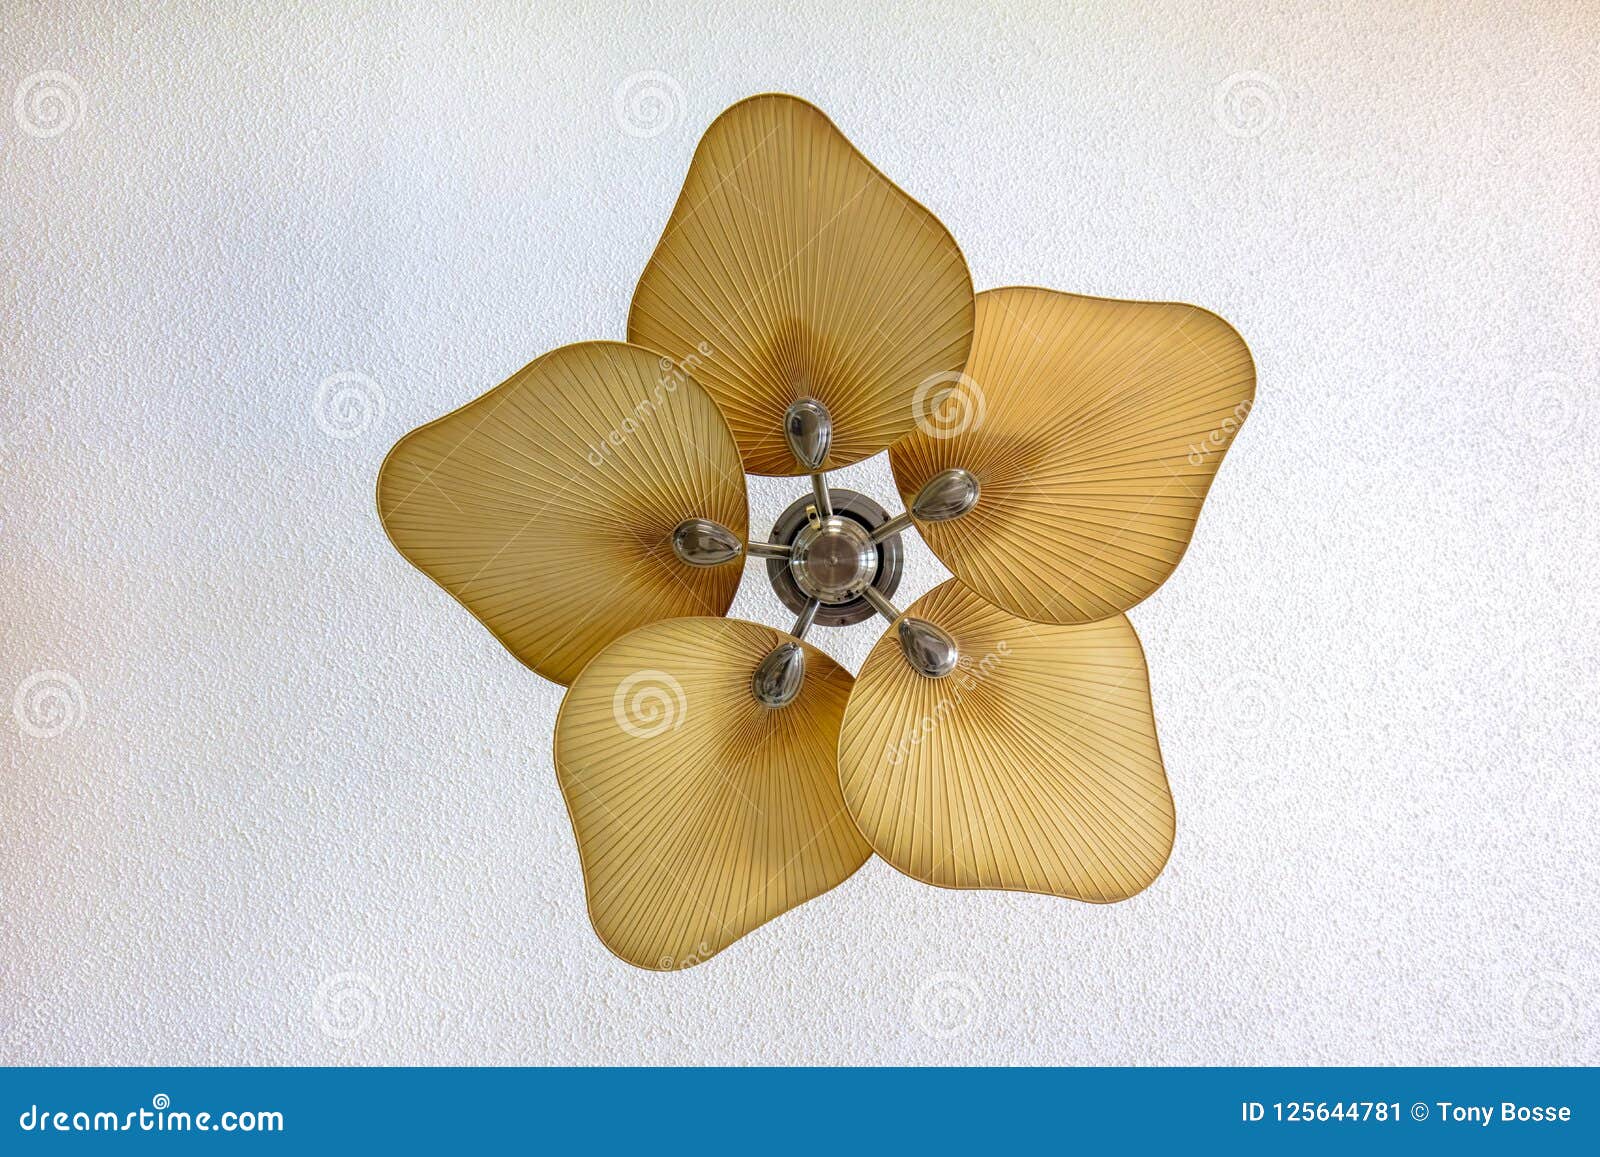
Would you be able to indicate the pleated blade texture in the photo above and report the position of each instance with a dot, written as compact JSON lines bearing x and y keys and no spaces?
{"x":699,"y":813}
{"x":792,"y":268}
{"x":1095,"y":428}
{"x":546,"y":507}
{"x":1034,"y":767}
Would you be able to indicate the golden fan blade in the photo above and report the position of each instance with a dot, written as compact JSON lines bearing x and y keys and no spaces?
{"x":1094,"y":428}
{"x":1033,"y":767}
{"x":699,"y":813}
{"x":547,"y":506}
{"x":791,"y":268}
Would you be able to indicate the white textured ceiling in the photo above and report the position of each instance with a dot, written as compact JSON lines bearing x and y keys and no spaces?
{"x":302,"y":808}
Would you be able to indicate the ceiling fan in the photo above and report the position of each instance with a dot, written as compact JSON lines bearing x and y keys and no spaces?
{"x":802,"y":313}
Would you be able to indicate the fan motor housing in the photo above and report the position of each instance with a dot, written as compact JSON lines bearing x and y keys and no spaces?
{"x":834,"y":559}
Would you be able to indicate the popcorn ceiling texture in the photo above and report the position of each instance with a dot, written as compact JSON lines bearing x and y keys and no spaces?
{"x":300,"y":807}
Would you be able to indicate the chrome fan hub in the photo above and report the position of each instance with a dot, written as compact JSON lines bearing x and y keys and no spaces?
{"x":833,"y":558}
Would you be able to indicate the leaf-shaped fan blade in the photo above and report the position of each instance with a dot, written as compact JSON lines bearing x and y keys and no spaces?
{"x":1033,"y":766}
{"x":701,"y":814}
{"x":1093,"y":429}
{"x":790,"y":269}
{"x":548,"y":506}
